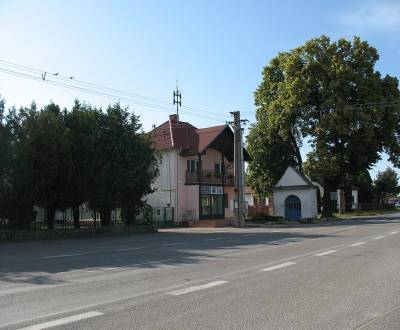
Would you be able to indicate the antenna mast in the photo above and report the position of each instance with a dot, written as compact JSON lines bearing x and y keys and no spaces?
{"x":177,"y":100}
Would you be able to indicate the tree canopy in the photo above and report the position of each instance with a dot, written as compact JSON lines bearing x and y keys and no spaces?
{"x":329,"y":93}
{"x":386,"y":184}
{"x":58,"y":159}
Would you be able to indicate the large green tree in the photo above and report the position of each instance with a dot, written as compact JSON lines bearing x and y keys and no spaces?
{"x":82,"y":124}
{"x":16,"y":186}
{"x":386,"y":184}
{"x":271,"y":153}
{"x":314,"y":91}
{"x":51,"y":160}
{"x":125,"y":165}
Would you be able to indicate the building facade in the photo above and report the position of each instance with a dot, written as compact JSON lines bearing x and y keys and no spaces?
{"x":294,"y":196}
{"x":196,"y":170}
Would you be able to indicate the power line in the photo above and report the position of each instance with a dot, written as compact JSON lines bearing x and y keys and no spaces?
{"x":73,"y":80}
{"x":105,"y":94}
{"x":358,"y":105}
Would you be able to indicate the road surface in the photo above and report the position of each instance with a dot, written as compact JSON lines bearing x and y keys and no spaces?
{"x":344,"y":275}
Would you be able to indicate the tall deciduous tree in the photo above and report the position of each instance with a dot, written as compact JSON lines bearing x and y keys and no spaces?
{"x":386,"y":184}
{"x":271,"y":153}
{"x":314,"y":90}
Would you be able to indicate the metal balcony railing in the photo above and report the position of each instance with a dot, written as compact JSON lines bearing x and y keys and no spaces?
{"x":210,"y":177}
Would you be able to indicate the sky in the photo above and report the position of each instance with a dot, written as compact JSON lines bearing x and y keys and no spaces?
{"x":215,"y":49}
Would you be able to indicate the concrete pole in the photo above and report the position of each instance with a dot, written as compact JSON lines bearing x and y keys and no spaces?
{"x":239,"y":170}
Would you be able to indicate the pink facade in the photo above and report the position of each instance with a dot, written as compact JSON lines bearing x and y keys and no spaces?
{"x":196,"y":171}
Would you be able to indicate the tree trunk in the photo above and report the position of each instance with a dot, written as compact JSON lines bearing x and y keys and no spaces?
{"x":76,"y":215}
{"x":297,"y":151}
{"x":50,"y":214}
{"x":105,"y":217}
{"x":129,"y":215}
{"x":326,"y":200}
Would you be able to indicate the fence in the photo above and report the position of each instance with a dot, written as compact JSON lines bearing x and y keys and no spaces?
{"x":36,"y":219}
{"x":260,"y":209}
{"x":361,"y":207}
{"x":163,"y":217}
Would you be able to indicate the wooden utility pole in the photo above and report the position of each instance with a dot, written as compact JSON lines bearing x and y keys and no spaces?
{"x":239,"y":170}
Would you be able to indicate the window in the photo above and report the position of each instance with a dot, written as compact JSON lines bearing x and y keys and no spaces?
{"x":192,"y":165}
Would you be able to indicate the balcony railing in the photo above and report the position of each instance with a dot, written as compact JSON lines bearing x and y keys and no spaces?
{"x":210,"y":177}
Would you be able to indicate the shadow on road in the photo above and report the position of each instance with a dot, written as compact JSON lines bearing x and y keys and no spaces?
{"x":39,"y":262}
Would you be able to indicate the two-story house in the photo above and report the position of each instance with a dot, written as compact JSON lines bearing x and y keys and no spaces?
{"x":196,"y":170}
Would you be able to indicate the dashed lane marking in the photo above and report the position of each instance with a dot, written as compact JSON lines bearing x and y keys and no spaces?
{"x":285,"y":264}
{"x":64,"y":255}
{"x":379,"y":237}
{"x":325,"y":253}
{"x":357,"y":244}
{"x":196,"y":288}
{"x":394,"y":232}
{"x":129,"y":249}
{"x":172,"y":244}
{"x":65,"y":320}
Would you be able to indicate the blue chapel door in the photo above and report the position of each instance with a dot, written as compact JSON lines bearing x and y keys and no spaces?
{"x":293,"y":208}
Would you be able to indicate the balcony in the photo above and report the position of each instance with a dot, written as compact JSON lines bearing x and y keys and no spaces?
{"x":210,"y":177}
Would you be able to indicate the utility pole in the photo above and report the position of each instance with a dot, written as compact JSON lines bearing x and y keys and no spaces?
{"x":239,"y":170}
{"x":178,"y":102}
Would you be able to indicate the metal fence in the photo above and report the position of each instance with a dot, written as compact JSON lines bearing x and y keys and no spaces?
{"x":88,"y":218}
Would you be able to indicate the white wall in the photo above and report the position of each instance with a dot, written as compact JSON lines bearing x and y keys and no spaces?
{"x":188,"y":195}
{"x":291,"y":178}
{"x":165,"y":187}
{"x":308,"y":198}
{"x":354,"y":193}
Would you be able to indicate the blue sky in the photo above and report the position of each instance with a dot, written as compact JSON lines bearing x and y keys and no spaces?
{"x":216,"y":49}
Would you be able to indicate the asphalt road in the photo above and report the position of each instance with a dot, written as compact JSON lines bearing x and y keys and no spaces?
{"x":339,"y":276}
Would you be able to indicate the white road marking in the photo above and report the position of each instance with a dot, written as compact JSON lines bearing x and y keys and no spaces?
{"x":394,"y":232}
{"x":215,"y":239}
{"x":109,"y":268}
{"x":275,"y":231}
{"x":171,"y":244}
{"x":357,"y":244}
{"x":196,"y":288}
{"x":64,"y":255}
{"x":325,"y":253}
{"x":129,"y":249}
{"x":285,"y":264}
{"x":65,"y":320}
{"x":379,"y":237}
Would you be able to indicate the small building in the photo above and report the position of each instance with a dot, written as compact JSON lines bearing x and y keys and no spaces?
{"x":294,"y":196}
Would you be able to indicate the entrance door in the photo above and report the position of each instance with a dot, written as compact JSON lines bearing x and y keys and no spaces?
{"x":293,"y":208}
{"x":211,"y":206}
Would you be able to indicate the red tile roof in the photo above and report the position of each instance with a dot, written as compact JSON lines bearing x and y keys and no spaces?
{"x":184,"y":135}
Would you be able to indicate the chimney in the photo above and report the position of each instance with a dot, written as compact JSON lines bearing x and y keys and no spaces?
{"x":173,"y":119}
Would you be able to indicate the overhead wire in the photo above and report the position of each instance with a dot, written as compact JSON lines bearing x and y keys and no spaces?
{"x":168,"y":108}
{"x":75,"y":81}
